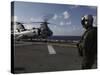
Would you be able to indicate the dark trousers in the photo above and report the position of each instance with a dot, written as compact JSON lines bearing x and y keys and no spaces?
{"x":88,"y":61}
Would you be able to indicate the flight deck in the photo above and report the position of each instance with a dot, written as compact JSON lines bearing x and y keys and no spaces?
{"x":43,"y":56}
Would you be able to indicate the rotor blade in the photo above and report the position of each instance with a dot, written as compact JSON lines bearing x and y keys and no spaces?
{"x":41,"y":22}
{"x":19,"y":23}
{"x":36,"y":22}
{"x":28,"y":22}
{"x":53,"y":24}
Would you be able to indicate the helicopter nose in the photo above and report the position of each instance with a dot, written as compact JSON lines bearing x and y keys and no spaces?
{"x":51,"y":33}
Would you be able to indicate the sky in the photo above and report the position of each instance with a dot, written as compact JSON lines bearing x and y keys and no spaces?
{"x":65,"y":19}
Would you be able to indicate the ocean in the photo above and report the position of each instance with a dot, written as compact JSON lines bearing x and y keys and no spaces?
{"x":76,"y":38}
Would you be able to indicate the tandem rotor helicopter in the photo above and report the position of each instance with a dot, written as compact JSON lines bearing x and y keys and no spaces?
{"x":19,"y":31}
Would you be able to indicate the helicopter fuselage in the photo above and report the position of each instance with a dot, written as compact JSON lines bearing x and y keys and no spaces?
{"x":42,"y":32}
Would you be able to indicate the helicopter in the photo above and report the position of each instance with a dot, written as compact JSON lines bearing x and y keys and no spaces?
{"x":19,"y":31}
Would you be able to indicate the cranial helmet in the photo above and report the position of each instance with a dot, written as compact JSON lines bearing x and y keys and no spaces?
{"x":87,"y":21}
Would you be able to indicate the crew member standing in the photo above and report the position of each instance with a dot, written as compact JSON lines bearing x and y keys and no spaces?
{"x":88,"y":43}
